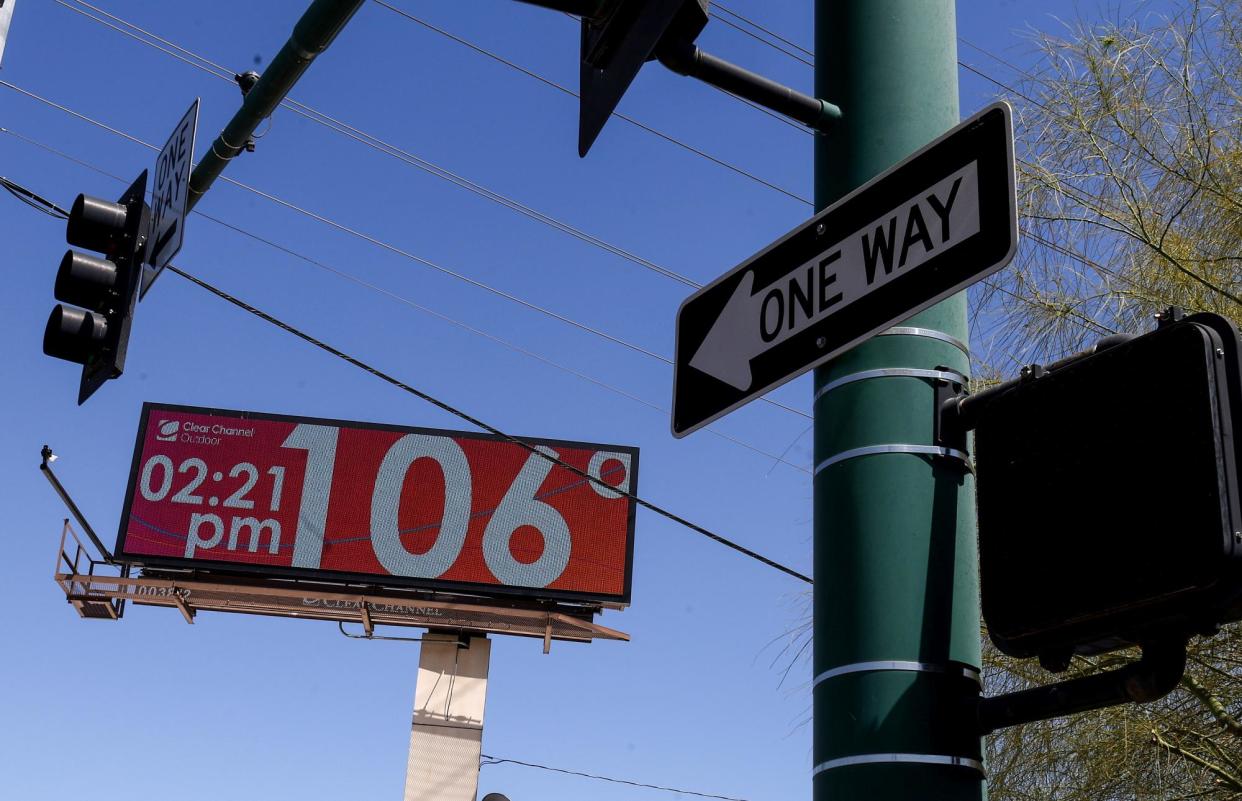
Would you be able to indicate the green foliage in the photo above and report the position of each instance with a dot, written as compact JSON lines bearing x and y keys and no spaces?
{"x":1129,"y":140}
{"x":1187,"y":745}
{"x":1130,"y":175}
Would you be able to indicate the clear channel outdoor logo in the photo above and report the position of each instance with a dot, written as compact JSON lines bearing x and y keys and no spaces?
{"x":190,"y":432}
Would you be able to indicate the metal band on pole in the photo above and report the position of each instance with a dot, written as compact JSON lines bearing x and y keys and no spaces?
{"x":919,"y":759}
{"x":919,"y":450}
{"x":929,"y":333}
{"x":948,"y":669}
{"x":892,"y":372}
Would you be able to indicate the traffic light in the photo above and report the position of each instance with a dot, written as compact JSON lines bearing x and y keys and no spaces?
{"x":94,"y":330}
{"x":1108,"y":494}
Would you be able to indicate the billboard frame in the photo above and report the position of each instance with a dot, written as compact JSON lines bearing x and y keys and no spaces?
{"x":221,"y":567}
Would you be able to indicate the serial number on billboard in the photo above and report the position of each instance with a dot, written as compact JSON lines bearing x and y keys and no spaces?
{"x":374,"y":501}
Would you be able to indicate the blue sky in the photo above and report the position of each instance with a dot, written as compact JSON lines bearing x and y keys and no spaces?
{"x":241,"y":707}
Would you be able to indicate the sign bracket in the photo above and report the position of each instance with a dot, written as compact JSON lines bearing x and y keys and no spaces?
{"x":619,"y":36}
{"x":1153,"y":676}
{"x":684,"y":58}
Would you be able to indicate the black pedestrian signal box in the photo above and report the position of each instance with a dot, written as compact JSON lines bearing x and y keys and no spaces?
{"x":1108,"y":496}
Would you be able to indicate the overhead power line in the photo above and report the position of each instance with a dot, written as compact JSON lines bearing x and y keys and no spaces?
{"x":387,"y":246}
{"x":206,"y":65}
{"x":344,"y":128}
{"x":56,"y":211}
{"x":31,"y":199}
{"x":492,"y":760}
{"x":1087,"y":204}
{"x":735,"y":26}
{"x":472,"y":420}
{"x":566,"y":90}
{"x":398,"y":251}
{"x":719,"y":7}
{"x":1126,"y":152}
{"x":478,"y":423}
{"x":482,"y":51}
{"x":394,"y":249}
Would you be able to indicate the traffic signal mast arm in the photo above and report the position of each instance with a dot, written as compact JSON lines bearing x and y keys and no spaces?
{"x":312,"y":34}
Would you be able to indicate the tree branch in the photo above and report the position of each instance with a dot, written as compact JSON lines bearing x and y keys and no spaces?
{"x":1227,"y":721}
{"x":1225,"y":777}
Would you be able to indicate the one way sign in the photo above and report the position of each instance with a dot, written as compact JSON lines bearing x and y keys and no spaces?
{"x":925,"y":229}
{"x":170,"y":197}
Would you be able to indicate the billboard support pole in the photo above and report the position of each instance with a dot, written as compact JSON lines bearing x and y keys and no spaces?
{"x":896,"y":610}
{"x":446,"y":734}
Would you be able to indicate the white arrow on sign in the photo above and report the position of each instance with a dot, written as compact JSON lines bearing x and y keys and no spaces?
{"x":170,"y":197}
{"x":931,"y":221}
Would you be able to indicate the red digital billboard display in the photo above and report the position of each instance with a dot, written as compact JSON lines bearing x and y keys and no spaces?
{"x":386,"y":505}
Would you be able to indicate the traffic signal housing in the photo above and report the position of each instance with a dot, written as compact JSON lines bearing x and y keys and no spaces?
{"x":1108,"y":495}
{"x":615,"y":45}
{"x":103,"y":291}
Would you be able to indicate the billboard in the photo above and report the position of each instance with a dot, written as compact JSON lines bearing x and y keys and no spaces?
{"x":384,"y":505}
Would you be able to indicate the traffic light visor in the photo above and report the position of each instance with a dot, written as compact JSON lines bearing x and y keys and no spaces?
{"x":85,"y":281}
{"x":73,"y":334}
{"x":95,"y":224}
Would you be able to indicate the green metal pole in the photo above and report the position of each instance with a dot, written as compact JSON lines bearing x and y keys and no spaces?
{"x":312,"y":34}
{"x":896,"y":590}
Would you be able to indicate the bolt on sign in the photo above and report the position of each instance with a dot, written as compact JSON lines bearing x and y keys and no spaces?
{"x":330,"y":500}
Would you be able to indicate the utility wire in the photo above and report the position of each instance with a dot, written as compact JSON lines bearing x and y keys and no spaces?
{"x":344,"y":128}
{"x":369,"y":140}
{"x":719,"y":7}
{"x":398,"y":251}
{"x":31,"y":199}
{"x":60,"y":213}
{"x":418,"y":259}
{"x":1126,"y":152}
{"x":474,"y":421}
{"x":1078,"y":198}
{"x":491,"y":760}
{"x":759,"y":38}
{"x":566,"y":90}
{"x":389,"y":247}
{"x":366,"y":237}
{"x":191,"y":58}
{"x":273,"y":320}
